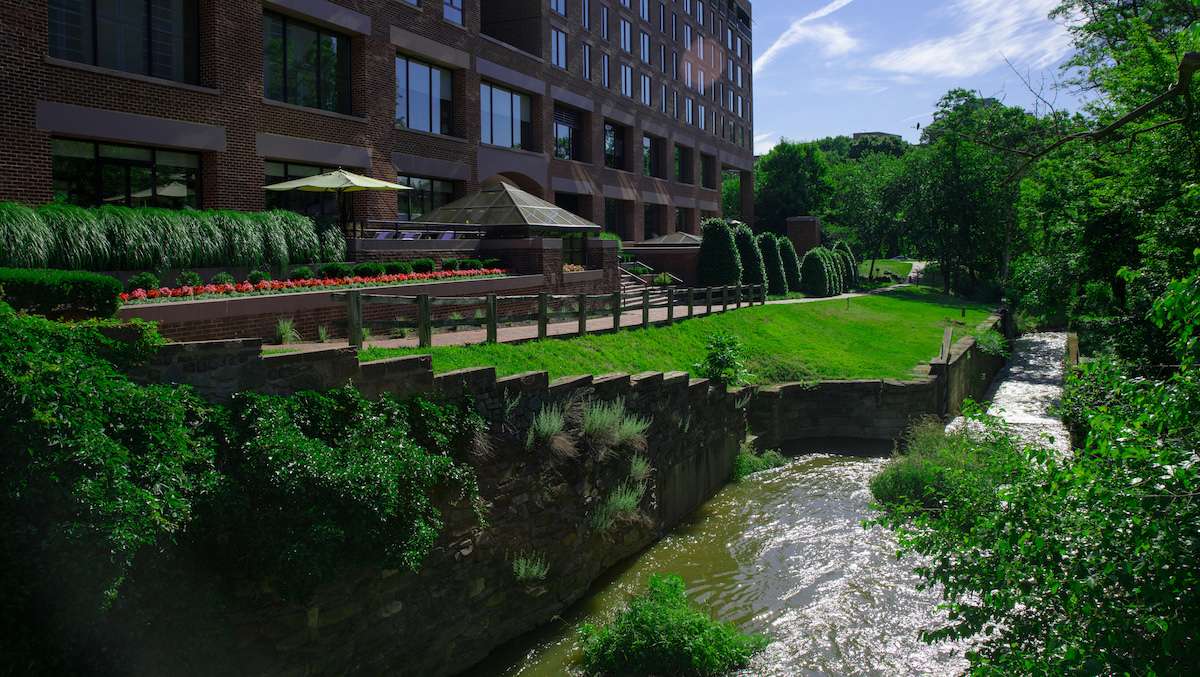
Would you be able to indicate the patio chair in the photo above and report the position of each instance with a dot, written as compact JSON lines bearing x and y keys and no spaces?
{"x":447,"y":235}
{"x":409,"y":235}
{"x":383,"y":235}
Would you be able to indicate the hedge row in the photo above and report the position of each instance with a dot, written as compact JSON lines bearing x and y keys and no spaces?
{"x":791,"y":263}
{"x":776,"y":283}
{"x":849,"y":262}
{"x":60,"y":293}
{"x":125,"y":238}
{"x":754,"y":270}
{"x":720,"y":262}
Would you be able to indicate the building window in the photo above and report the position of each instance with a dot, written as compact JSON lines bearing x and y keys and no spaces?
{"x":708,"y":171}
{"x":700,"y":110}
{"x":683,"y":165}
{"x":652,"y":221}
{"x":644,"y":11}
{"x":452,"y":11}
{"x":627,"y":80}
{"x":662,"y":98}
{"x":625,"y":33}
{"x":567,"y":137}
{"x":615,"y":220}
{"x":150,"y":37}
{"x":426,"y":195}
{"x":585,"y":15}
{"x":687,"y":37}
{"x":645,"y":47}
{"x":504,"y":117}
{"x":605,"y":70}
{"x":652,"y":156}
{"x":614,"y":146}
{"x":88,"y":173}
{"x":559,"y":6}
{"x":604,"y":22}
{"x":646,"y":89}
{"x":424,"y":96}
{"x":662,"y":18}
{"x":321,"y":207}
{"x":305,"y":65}
{"x":687,"y":110}
{"x":700,"y":13}
{"x":586,"y":64}
{"x":558,"y":48}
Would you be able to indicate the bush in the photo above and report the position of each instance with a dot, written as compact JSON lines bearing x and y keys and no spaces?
{"x":623,"y":503}
{"x":606,"y":427}
{"x":530,"y":567}
{"x":300,"y":233}
{"x":754,"y":271}
{"x":850,"y":263}
{"x":720,"y":264}
{"x":80,"y":241}
{"x":223,"y":278}
{"x":132,"y":242}
{"x":993,"y":343}
{"x":817,"y":274}
{"x":450,"y":264}
{"x":659,"y":633}
{"x":397,"y":268}
{"x":333,"y":244}
{"x":791,"y":263}
{"x":490,"y":263}
{"x":300,"y":273}
{"x":189,"y":278}
{"x":748,"y":462}
{"x":60,"y":293}
{"x":25,"y":239}
{"x":273,"y":230}
{"x":146,"y":280}
{"x":368,"y":269}
{"x":548,"y":431}
{"x":335,"y":270}
{"x":776,"y":282}
{"x":470,"y":264}
{"x":257,"y":276}
{"x":723,"y":361}
{"x":243,"y":238}
{"x":1091,"y":387}
{"x":663,"y":280}
{"x":833,"y":265}
{"x":422,"y":265}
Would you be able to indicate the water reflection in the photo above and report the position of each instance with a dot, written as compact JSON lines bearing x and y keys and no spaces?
{"x":784,"y":553}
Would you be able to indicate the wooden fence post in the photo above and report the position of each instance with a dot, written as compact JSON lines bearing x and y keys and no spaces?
{"x":670,"y":305}
{"x":424,"y":322}
{"x":725,"y":298}
{"x":737,"y":296}
{"x":691,"y":302}
{"x":354,"y":319}
{"x":491,"y":318}
{"x":543,"y":314}
{"x":582,"y":300}
{"x":616,"y":310}
{"x":645,"y":307}
{"x":762,"y":294}
{"x":708,"y":298}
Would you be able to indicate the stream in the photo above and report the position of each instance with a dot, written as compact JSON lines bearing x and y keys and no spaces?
{"x":782,"y":553}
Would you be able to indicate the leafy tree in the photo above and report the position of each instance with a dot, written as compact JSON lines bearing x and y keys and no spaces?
{"x":789,"y":181}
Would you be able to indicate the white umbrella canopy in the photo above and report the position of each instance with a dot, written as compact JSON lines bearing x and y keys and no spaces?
{"x":337,"y":181}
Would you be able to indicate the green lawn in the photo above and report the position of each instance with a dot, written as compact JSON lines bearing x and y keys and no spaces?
{"x":881,"y":336}
{"x":900,"y":269}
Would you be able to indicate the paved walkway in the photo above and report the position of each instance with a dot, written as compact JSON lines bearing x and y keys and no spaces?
{"x":565,"y":328}
{"x":1026,"y":390}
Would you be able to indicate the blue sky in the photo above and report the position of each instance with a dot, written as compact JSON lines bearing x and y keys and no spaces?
{"x":826,"y":67}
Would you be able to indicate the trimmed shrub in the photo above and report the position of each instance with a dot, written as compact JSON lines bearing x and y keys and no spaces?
{"x":80,"y":241}
{"x":397,"y":268}
{"x":833,"y":263}
{"x":851,"y":264}
{"x":333,"y":244}
{"x":368,"y":269}
{"x":660,"y":633}
{"x":257,"y":276}
{"x":25,"y":239}
{"x":60,"y":293}
{"x":490,"y":263}
{"x":223,"y":278}
{"x":720,"y":263}
{"x":335,"y":270}
{"x":470,"y":264}
{"x":422,"y":265}
{"x":303,"y":244}
{"x":776,"y":282}
{"x":818,"y":273}
{"x":300,"y":273}
{"x":754,"y":271}
{"x":450,"y":264}
{"x":791,"y":263}
{"x":189,"y":278}
{"x":143,"y":280}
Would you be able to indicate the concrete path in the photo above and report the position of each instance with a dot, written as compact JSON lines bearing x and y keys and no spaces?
{"x":561,"y":329}
{"x":1026,"y":390}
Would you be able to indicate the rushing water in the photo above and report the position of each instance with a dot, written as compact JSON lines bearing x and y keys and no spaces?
{"x":783,"y":553}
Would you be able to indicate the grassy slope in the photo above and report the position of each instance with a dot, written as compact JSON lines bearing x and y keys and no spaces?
{"x":900,"y":269}
{"x":878,"y":337}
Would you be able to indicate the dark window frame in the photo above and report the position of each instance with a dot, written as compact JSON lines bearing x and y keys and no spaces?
{"x":447,"y":112}
{"x":94,"y":27}
{"x":345,"y":98}
{"x":97,"y":179}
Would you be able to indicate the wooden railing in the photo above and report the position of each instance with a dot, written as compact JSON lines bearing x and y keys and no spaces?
{"x":680,"y":303}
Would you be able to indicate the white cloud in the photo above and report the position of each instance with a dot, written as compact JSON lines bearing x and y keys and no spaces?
{"x":990,"y":31}
{"x":832,"y":39}
{"x":764,"y":142}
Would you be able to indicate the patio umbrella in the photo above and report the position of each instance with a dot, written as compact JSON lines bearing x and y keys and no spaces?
{"x":338,"y":181}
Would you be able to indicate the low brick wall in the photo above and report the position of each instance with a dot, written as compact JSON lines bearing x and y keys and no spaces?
{"x":682,"y":262}
{"x":258,"y":316}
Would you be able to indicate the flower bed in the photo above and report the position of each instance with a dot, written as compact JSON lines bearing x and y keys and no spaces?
{"x":245,"y":288}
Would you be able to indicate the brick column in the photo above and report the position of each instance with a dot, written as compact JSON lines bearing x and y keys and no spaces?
{"x":746,"y":193}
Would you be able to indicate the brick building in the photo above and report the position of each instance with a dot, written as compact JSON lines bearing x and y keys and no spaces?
{"x":624,"y":111}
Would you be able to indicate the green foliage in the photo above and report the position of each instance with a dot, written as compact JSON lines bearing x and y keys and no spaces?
{"x":820,"y":273}
{"x":849,"y":264}
{"x":60,"y":293}
{"x":189,"y":278}
{"x":335,"y":270}
{"x":1091,"y":387}
{"x":548,"y":432}
{"x":791,"y":263}
{"x":397,"y":268}
{"x":242,"y":236}
{"x":724,"y":360}
{"x":639,"y":469}
{"x":300,"y":273}
{"x":257,"y":276}
{"x":314,"y":482}
{"x":144,"y":280}
{"x":451,"y":264}
{"x":368,"y":269}
{"x":285,"y":331}
{"x":422,"y":265}
{"x":754,"y":270}
{"x":790,"y":180}
{"x":749,"y":462}
{"x":495,"y":263}
{"x":992,"y":342}
{"x":80,"y":240}
{"x":622,"y":504}
{"x":530,"y":567}
{"x":333,"y":244}
{"x":135,"y":245}
{"x":663,"y":280}
{"x":720,"y":264}
{"x":776,"y":282}
{"x":300,"y":232}
{"x":275,"y":237}
{"x":607,"y":427}
{"x":25,"y":239}
{"x":322,"y":334}
{"x":223,"y":278}
{"x":660,"y":633}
